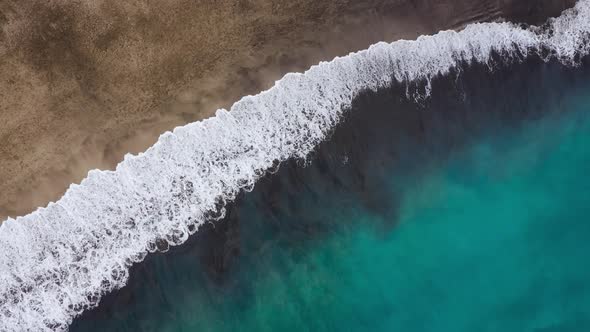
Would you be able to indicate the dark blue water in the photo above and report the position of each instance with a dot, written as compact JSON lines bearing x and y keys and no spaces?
{"x":469,"y":212}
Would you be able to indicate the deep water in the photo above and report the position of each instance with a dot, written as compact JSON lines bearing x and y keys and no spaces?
{"x":468,"y":211}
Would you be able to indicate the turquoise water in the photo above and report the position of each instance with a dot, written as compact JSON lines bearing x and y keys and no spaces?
{"x":492,"y":236}
{"x":497,"y":240}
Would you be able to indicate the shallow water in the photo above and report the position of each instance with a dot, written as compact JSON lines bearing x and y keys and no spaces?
{"x":466,"y":211}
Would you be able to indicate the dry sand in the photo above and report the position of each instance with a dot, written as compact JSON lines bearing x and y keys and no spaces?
{"x":82,"y":82}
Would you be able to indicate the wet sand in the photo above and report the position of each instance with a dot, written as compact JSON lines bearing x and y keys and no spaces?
{"x":82,"y":83}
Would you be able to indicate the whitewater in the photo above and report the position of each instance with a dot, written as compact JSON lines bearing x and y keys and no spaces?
{"x":59,"y":260}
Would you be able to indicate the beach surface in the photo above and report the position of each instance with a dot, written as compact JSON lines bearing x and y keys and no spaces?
{"x":83,"y":83}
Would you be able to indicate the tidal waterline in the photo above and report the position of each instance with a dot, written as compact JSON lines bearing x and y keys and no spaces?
{"x":466,"y":211}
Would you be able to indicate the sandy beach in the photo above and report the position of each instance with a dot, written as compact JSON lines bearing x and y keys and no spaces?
{"x":82,"y":83}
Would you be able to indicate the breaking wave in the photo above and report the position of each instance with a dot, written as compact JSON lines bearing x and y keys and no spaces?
{"x":59,"y":260}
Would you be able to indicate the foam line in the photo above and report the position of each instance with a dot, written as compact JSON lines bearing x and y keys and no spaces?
{"x":59,"y":260}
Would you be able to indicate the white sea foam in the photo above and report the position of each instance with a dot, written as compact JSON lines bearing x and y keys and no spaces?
{"x":59,"y":260}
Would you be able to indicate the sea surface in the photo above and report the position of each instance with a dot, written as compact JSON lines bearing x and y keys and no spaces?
{"x":468,"y":210}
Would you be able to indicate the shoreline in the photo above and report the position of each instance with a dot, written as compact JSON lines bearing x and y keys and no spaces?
{"x":74,"y":118}
{"x":157,"y":199}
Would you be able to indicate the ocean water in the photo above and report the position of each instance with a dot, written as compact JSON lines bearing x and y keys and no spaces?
{"x":468,"y":210}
